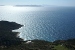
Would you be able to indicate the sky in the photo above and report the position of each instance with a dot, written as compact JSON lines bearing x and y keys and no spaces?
{"x":38,"y":2}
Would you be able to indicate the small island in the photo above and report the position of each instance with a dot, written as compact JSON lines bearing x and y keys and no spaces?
{"x":9,"y":40}
{"x":28,"y":5}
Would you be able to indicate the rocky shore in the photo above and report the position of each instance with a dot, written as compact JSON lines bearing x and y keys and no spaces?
{"x":10,"y":41}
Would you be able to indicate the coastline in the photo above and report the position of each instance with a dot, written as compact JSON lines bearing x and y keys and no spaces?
{"x":10,"y":41}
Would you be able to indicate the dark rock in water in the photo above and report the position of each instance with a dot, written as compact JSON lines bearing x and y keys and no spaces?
{"x":7,"y":26}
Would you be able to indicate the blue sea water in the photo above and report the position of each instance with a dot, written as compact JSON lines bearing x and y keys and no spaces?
{"x":44,"y":23}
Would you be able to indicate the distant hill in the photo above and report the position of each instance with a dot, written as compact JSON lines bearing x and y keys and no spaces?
{"x":28,"y":5}
{"x":1,"y":5}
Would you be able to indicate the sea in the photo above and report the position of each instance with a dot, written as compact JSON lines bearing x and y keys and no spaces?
{"x":43,"y":23}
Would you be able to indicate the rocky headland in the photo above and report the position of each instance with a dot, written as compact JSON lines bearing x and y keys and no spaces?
{"x":9,"y":40}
